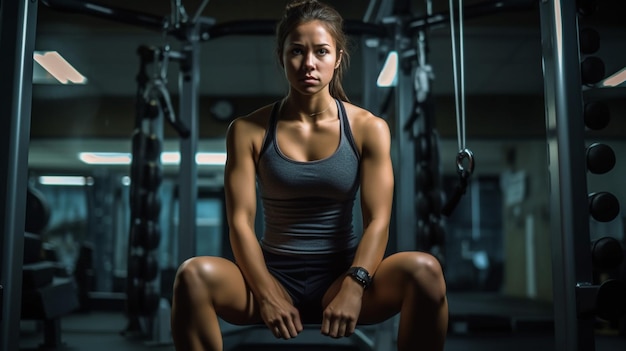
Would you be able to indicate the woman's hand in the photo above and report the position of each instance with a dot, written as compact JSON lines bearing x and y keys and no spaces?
{"x":340,"y":317}
{"x":280,"y":316}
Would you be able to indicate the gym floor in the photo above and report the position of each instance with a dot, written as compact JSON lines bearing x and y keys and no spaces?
{"x":478,"y":322}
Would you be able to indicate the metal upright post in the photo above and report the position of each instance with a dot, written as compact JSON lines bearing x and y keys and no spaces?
{"x":187,"y":184}
{"x":18,"y":21}
{"x":369,"y":53}
{"x":571,"y":254}
{"x":404,"y":152}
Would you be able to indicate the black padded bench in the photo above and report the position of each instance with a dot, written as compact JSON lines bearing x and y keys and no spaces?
{"x":47,"y":298}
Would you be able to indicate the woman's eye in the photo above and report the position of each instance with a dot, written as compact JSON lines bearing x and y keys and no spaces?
{"x":322,"y":52}
{"x":296,"y":51}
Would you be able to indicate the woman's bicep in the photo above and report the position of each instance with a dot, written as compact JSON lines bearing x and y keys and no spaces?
{"x":377,"y":180}
{"x":239,"y":177}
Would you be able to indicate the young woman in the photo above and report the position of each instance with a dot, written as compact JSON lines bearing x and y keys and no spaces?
{"x":309,"y":154}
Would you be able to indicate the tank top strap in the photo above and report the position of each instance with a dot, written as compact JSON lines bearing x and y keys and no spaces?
{"x":270,"y":132}
{"x":347,"y":131}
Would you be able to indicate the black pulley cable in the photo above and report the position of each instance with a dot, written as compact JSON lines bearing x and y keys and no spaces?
{"x":464,"y":153}
{"x":199,"y":11}
{"x":156,"y":91}
{"x":179,"y":14}
{"x":422,"y":77}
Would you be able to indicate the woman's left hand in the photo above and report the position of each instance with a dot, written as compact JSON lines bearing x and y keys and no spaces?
{"x":340,"y":317}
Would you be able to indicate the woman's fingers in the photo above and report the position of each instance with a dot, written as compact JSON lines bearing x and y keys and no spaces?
{"x":338,"y":327}
{"x":294,"y":325}
{"x":288,"y":327}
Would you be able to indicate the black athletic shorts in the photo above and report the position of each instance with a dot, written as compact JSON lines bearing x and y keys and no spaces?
{"x":306,"y":279}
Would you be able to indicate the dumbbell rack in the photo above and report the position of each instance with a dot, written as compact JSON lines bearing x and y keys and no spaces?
{"x":143,"y":293}
{"x":578,"y":299}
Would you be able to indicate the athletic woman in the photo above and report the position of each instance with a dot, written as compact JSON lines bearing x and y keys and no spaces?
{"x":307,"y":156}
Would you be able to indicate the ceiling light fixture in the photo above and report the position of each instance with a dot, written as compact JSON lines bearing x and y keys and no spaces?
{"x":387,"y":76}
{"x":211,"y":158}
{"x":105,"y":158}
{"x":615,"y":79}
{"x":58,"y":67}
{"x":65,"y":180}
{"x":170,"y":158}
{"x":167,"y":158}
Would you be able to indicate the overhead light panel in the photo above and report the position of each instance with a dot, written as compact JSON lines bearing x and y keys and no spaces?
{"x":58,"y":67}
{"x":167,"y":158}
{"x":211,"y":158}
{"x":615,"y":79}
{"x":387,"y":76}
{"x":65,"y":180}
{"x":202,"y":158}
{"x":105,"y":158}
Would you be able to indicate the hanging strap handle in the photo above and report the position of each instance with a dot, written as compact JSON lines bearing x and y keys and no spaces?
{"x":464,"y":176}
{"x":459,"y":89}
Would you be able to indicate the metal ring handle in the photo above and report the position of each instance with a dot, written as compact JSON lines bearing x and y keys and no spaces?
{"x":465,"y":154}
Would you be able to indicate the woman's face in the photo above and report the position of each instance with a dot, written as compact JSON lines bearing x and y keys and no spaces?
{"x":310,"y":58}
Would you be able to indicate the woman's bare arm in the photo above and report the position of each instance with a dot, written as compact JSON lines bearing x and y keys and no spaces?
{"x":240,"y":187}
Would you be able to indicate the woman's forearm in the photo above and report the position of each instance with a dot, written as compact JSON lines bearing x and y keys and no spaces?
{"x":249,"y":258}
{"x":372,"y":246}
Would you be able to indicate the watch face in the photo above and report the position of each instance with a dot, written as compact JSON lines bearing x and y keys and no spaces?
{"x":361,"y":275}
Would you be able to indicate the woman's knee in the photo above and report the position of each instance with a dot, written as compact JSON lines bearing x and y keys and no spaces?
{"x":197,"y":275}
{"x":427,"y":275}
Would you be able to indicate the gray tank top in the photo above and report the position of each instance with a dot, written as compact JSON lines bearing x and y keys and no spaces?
{"x":308,"y":205}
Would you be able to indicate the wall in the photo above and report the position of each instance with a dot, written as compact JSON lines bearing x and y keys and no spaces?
{"x":526,"y":223}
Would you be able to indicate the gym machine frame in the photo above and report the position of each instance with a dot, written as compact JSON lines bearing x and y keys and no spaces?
{"x":17,"y":38}
{"x":403,"y":29}
{"x":191,"y":35}
{"x":571,"y":254}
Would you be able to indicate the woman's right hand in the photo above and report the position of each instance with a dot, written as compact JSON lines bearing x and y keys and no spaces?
{"x":280,"y":316}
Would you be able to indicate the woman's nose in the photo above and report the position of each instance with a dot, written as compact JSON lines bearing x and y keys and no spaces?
{"x":309,"y":62}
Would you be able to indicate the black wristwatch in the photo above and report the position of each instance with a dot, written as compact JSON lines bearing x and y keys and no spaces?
{"x":361,"y":275}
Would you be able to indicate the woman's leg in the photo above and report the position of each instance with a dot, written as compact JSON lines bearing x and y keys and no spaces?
{"x":411,"y":283}
{"x":205,"y":288}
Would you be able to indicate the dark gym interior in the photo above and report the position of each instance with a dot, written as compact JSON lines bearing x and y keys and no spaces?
{"x":533,"y":251}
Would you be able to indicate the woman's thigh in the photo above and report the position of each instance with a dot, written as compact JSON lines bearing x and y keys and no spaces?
{"x":394,"y":276}
{"x":225,"y":287}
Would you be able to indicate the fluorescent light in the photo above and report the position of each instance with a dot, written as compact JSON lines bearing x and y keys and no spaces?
{"x":167,"y":158}
{"x":387,"y":76}
{"x":615,"y":79}
{"x":105,"y":158}
{"x":202,"y":158}
{"x":100,"y":9}
{"x":211,"y":158}
{"x":170,"y":158}
{"x":66,"y":180}
{"x":58,"y":67}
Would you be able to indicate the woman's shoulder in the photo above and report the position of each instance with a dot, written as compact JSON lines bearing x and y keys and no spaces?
{"x":255,"y":121}
{"x":364,"y":121}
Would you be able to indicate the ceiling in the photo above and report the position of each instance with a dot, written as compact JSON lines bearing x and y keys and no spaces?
{"x":105,"y":51}
{"x":502,"y":63}
{"x":502,"y":49}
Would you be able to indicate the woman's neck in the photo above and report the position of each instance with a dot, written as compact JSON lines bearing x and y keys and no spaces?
{"x":308,"y":107}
